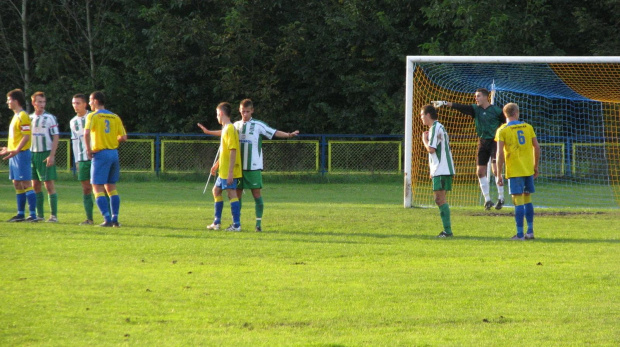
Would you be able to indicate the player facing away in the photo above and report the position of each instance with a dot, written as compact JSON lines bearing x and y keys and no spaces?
{"x":103,"y":132}
{"x":229,"y":170}
{"x":43,"y":146}
{"x":18,"y":153}
{"x":487,"y":118}
{"x":82,"y":162}
{"x":518,"y":147}
{"x":437,"y":144}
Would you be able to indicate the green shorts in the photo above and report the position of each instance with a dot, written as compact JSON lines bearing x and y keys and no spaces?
{"x":83,"y":170}
{"x":442,"y":183}
{"x":40,"y":172}
{"x":251,"y":180}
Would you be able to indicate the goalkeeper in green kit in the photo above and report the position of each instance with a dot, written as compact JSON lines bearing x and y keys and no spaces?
{"x":487,"y":118}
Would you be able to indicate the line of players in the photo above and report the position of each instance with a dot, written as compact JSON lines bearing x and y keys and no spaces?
{"x":31,"y":151}
{"x":503,"y":138}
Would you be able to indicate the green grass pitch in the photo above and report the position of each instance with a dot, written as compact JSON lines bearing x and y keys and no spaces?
{"x":338,"y":264}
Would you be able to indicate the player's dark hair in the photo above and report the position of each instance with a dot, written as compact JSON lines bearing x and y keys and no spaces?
{"x":247,"y":103}
{"x":98,"y":95}
{"x":483,"y":91}
{"x":430,"y":109}
{"x":225,"y":107}
{"x":18,"y":95}
{"x":81,"y":96}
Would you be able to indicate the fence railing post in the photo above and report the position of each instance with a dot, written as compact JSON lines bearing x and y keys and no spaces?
{"x":157,"y":154}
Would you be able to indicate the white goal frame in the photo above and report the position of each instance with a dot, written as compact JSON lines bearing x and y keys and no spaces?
{"x":413,"y":60}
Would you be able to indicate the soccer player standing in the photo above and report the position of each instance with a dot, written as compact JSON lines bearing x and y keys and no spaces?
{"x":43,"y":147}
{"x":229,"y":171}
{"x":82,"y":162}
{"x":103,"y":132}
{"x":487,"y":118}
{"x":18,"y":153}
{"x":518,"y":147}
{"x":251,"y":132}
{"x":437,"y":144}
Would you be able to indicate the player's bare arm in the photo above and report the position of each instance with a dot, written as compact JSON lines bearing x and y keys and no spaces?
{"x":231,"y":166}
{"x":209,"y":132}
{"x":426,"y":142}
{"x":51,"y":159}
{"x":14,"y":152}
{"x":285,"y":135}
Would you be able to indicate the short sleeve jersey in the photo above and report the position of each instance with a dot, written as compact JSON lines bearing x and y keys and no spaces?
{"x":251,"y":135}
{"x":487,"y":120}
{"x":20,"y":126}
{"x":44,"y":127}
{"x":78,"y":141}
{"x":518,"y":149}
{"x":229,"y":141}
{"x":440,"y":162}
{"x":105,"y":127}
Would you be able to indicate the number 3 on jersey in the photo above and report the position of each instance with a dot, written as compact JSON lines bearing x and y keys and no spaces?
{"x":521,"y":137}
{"x":107,"y":128}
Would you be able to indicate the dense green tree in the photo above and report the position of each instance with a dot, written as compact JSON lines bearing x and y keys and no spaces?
{"x":333,"y":66}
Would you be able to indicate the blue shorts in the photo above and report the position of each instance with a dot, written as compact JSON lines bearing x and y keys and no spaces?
{"x":19,"y":166}
{"x":521,"y":185}
{"x":105,"y":167}
{"x":221,"y":183}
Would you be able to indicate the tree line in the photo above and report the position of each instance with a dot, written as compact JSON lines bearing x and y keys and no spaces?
{"x":323,"y":66}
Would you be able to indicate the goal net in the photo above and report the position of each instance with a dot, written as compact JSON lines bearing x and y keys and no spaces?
{"x":573,"y":103}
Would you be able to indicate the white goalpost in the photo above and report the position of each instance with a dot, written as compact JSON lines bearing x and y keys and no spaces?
{"x":572,"y":102}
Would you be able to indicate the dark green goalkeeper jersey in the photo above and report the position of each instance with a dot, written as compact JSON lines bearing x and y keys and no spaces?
{"x":486,"y":120}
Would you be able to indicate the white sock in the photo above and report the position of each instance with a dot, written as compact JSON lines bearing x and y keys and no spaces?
{"x":484,"y":186}
{"x":500,"y":192}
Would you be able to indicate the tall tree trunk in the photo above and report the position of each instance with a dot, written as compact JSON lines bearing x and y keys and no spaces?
{"x":25,"y":49}
{"x":91,"y":52}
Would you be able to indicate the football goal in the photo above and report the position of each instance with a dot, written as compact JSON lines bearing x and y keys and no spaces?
{"x":573,"y":103}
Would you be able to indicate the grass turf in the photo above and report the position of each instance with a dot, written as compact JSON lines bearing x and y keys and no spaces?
{"x":338,"y":264}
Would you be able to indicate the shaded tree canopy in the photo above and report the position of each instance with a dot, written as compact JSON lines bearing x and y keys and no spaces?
{"x":317,"y":66}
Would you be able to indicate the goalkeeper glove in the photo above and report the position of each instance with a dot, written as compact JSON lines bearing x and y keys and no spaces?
{"x":438,"y":104}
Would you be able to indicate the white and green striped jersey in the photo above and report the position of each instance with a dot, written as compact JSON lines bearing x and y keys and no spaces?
{"x":250,"y":138}
{"x":43,"y":128}
{"x":77,"y":138}
{"x":440,"y":162}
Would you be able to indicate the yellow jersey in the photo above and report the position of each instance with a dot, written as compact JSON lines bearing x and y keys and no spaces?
{"x":105,"y":128}
{"x":518,"y":148}
{"x":20,"y":126}
{"x":230,"y":140}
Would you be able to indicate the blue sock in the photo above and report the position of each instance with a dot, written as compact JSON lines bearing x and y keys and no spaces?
{"x":219,"y":206}
{"x":21,"y":204}
{"x":115,"y":205}
{"x":31,"y":197}
{"x":235,"y":210}
{"x":529,"y":217}
{"x":104,"y":207}
{"x":519,"y":212}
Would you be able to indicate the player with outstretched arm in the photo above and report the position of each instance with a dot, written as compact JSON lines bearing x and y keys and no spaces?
{"x":487,"y":118}
{"x":251,"y":131}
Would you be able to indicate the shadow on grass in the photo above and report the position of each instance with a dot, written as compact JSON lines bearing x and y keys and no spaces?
{"x":330,"y":237}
